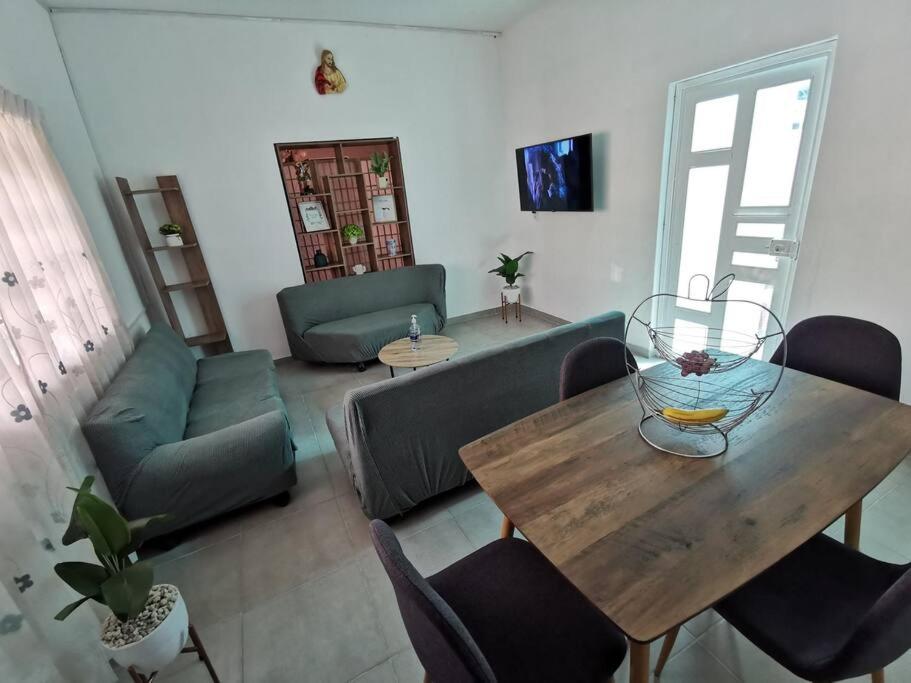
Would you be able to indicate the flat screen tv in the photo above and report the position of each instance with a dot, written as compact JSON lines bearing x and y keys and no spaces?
{"x":556,"y":176}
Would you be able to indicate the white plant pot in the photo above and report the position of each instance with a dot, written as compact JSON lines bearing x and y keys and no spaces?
{"x":382,"y":182}
{"x":173,"y":240}
{"x":511,"y":294}
{"x":160,"y":647}
{"x":352,"y":240}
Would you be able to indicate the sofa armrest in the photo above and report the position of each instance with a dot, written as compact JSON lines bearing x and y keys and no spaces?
{"x":203,"y":476}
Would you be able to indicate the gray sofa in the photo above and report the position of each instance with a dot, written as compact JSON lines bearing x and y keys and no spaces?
{"x":399,"y":438}
{"x":349,"y":319}
{"x":191,"y":438}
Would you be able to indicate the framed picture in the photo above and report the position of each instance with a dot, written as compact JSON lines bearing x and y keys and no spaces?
{"x":384,"y":209}
{"x":313,"y":216}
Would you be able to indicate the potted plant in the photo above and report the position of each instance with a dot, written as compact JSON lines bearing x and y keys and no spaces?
{"x":509,"y":271}
{"x":379,"y":164}
{"x":172,"y":234}
{"x":148,"y":624}
{"x":352,"y":233}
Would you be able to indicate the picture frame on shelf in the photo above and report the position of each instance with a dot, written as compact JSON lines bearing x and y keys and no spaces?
{"x":384,"y":209}
{"x":313,"y":216}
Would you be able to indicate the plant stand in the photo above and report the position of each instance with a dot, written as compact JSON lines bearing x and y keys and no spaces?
{"x":504,"y":308}
{"x":196,"y":647}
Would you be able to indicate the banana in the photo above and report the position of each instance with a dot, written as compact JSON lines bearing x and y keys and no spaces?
{"x":694,"y":417}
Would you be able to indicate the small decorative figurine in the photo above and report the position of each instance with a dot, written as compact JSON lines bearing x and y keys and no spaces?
{"x":329,"y":79}
{"x":319,"y":259}
{"x":304,"y":177}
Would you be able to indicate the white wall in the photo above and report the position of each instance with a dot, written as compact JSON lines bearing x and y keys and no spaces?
{"x":588,"y":65}
{"x":31,"y":66}
{"x":206,"y":98}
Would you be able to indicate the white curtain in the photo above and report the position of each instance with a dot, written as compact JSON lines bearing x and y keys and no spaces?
{"x":61,"y":342}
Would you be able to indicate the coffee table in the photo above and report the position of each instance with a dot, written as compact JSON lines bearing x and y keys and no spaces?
{"x":434,"y":349}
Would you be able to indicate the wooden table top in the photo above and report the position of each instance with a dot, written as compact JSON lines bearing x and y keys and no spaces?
{"x":653,"y":539}
{"x":434,"y":348}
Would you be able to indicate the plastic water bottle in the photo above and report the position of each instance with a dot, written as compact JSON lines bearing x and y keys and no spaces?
{"x":414,"y":333}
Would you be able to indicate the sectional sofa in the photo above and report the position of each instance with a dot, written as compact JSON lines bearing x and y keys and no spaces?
{"x":399,"y":439}
{"x":191,"y":438}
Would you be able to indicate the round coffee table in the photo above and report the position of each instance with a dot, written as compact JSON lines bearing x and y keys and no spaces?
{"x":434,"y":349}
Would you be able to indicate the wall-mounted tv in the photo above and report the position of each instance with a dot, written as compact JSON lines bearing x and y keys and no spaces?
{"x":556,"y":176}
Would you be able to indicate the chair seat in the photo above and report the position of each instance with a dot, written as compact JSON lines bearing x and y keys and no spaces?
{"x":804,"y":609}
{"x":527,"y":619}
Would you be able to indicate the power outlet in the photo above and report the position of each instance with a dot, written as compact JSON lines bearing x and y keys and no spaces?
{"x":784,"y":248}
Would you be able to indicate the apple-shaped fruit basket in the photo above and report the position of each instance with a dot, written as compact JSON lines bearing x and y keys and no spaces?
{"x":691,"y":402}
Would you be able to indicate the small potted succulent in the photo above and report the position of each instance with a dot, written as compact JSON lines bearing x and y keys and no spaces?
{"x":352,"y":233}
{"x":148,"y":624}
{"x":509,"y":271}
{"x":379,"y":165}
{"x":172,"y":234}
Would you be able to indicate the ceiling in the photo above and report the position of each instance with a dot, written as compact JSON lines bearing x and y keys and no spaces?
{"x":465,"y":15}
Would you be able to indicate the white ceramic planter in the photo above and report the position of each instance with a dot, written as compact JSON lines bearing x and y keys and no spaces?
{"x":173,"y":240}
{"x":352,"y":240}
{"x":382,"y":182}
{"x":511,"y":294}
{"x":160,"y":647}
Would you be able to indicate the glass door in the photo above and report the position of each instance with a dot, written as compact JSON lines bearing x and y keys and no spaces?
{"x":742,"y":148}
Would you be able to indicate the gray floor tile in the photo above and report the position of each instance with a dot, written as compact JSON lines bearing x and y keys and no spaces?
{"x":693,"y":664}
{"x":291,"y":550}
{"x":436,"y":547}
{"x":702,"y":622}
{"x":209,"y":580}
{"x":383,"y":600}
{"x":381,"y":673}
{"x":407,"y":667}
{"x":739,"y":655}
{"x":326,"y":630}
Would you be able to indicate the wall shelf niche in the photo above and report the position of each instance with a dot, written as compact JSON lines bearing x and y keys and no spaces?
{"x":342,"y":181}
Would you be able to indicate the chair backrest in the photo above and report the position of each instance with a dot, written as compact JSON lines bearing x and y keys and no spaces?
{"x":846,"y":350}
{"x":442,"y":643}
{"x":592,"y":363}
{"x":883,"y":635}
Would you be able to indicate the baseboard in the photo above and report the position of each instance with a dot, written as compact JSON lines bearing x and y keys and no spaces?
{"x":541,"y":315}
{"x":472,"y":316}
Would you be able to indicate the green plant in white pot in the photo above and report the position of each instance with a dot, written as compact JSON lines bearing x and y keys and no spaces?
{"x":173,"y":234}
{"x":379,"y":165}
{"x":509,"y":271}
{"x":148,"y":624}
{"x":352,"y":233}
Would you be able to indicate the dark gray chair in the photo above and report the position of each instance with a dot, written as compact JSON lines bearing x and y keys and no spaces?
{"x":593,"y":363}
{"x":826,"y":612}
{"x":501,"y":614}
{"x":863,"y":355}
{"x":846,"y":350}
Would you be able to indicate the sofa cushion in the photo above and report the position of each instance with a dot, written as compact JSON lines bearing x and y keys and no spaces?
{"x":145,"y":406}
{"x":222,"y":402}
{"x":237,"y":364}
{"x":362,"y":336}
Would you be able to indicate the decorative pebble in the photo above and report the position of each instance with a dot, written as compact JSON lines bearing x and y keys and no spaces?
{"x":115,"y":633}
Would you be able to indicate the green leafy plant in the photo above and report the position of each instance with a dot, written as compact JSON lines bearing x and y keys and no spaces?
{"x":509,"y":268}
{"x":170,"y":229}
{"x":352,"y":231}
{"x":118,"y":582}
{"x":379,"y":163}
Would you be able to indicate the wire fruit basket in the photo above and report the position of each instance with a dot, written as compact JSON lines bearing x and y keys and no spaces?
{"x":702,"y":391}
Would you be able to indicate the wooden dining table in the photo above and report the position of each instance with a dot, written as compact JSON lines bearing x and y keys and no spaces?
{"x":653,"y":539}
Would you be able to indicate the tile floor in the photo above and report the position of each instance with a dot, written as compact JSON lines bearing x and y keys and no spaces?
{"x":297,"y":594}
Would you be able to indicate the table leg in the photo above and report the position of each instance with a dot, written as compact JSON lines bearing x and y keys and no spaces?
{"x":507,"y":528}
{"x":638,"y":662}
{"x":852,"y":524}
{"x":391,"y":371}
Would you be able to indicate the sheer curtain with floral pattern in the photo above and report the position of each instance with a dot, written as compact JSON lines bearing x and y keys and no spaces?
{"x":61,"y":342}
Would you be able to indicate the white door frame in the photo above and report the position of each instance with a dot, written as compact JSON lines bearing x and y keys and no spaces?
{"x":669,"y":166}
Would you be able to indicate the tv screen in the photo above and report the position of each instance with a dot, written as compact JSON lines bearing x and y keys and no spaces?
{"x":556,"y":176}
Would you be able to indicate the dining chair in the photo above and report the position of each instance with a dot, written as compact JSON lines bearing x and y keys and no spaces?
{"x":851,"y":351}
{"x":501,"y":614}
{"x":826,"y":612}
{"x":848,"y":350}
{"x":592,"y":363}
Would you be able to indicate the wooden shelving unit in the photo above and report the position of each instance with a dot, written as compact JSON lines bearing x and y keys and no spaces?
{"x":216,"y":340}
{"x":343,"y":182}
